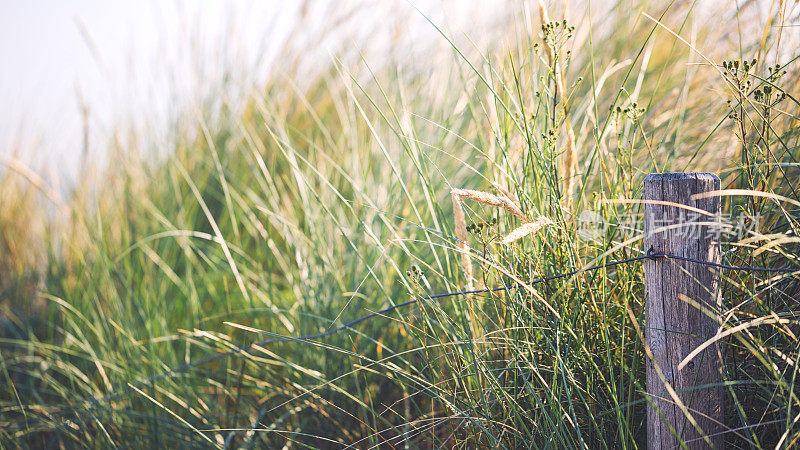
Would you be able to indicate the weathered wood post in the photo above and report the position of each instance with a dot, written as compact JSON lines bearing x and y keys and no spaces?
{"x":680,"y":300}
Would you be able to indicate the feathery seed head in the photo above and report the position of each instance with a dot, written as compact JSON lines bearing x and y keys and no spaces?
{"x":526,"y":229}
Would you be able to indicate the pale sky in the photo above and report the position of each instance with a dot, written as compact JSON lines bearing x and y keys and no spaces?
{"x":119,"y":56}
{"x":137,"y":58}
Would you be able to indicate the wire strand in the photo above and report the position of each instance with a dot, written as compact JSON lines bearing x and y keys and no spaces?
{"x":651,"y":254}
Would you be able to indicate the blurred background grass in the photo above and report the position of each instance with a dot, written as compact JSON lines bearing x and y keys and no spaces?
{"x":324,"y":194}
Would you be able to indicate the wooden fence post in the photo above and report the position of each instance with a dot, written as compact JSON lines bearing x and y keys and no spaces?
{"x":680,"y":300}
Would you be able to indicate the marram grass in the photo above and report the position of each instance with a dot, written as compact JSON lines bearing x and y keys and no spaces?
{"x":356,"y":189}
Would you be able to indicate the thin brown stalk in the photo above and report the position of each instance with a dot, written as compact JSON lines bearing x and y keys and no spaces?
{"x":461,"y":235}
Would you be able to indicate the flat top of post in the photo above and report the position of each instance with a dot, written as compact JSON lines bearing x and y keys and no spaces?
{"x":654,"y":177}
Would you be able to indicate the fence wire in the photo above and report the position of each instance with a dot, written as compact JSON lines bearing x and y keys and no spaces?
{"x":651,"y":254}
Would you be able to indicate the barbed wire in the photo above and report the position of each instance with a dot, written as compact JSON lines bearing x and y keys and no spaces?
{"x":651,"y":254}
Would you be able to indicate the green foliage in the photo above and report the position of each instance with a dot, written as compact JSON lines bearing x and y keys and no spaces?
{"x":322,"y":201}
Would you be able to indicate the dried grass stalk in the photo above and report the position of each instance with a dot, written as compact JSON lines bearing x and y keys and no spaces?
{"x":527,"y":229}
{"x":570,"y":165}
{"x":461,"y":235}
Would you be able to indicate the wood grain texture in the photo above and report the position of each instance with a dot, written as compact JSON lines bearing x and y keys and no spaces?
{"x":675,"y":326}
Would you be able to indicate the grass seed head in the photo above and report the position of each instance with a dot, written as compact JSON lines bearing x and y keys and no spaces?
{"x":526,"y":229}
{"x":493,"y":200}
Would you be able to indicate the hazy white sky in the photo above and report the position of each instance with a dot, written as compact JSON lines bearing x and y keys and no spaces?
{"x":113,"y":54}
{"x":136,"y":58}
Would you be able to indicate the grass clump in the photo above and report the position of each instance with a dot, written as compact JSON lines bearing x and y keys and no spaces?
{"x":365,"y":186}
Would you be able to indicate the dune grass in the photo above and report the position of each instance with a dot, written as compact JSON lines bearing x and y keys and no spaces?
{"x":329,"y":196}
